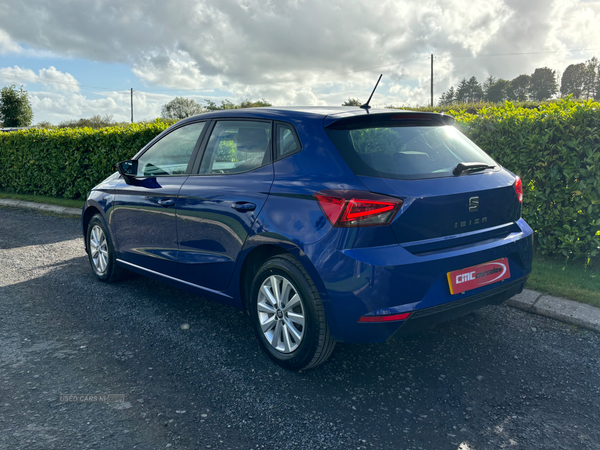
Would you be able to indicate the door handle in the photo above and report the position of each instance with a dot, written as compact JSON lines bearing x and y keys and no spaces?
{"x":166,"y":202}
{"x":243,"y":206}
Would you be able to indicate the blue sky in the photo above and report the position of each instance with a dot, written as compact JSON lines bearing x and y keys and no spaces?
{"x":80,"y":58}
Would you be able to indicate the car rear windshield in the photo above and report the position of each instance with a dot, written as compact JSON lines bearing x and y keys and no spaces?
{"x":399,"y":150}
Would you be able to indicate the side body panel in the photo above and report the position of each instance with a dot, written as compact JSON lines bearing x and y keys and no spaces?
{"x":146,"y":231}
{"x":211,"y":232}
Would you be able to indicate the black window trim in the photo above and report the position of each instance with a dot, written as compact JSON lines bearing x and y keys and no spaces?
{"x":277,"y":155}
{"x":168,"y":131}
{"x":206,"y":138}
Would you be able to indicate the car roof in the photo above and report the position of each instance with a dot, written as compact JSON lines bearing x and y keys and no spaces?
{"x":286,"y":113}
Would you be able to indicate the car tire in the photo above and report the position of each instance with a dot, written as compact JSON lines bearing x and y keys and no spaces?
{"x":288,"y":315}
{"x":101,"y":252}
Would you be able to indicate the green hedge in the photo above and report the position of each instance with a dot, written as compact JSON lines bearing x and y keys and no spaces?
{"x":554,"y":148}
{"x":556,"y":151}
{"x":67,"y":162}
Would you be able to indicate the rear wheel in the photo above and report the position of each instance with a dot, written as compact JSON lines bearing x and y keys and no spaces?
{"x":288,"y":315}
{"x":101,"y":252}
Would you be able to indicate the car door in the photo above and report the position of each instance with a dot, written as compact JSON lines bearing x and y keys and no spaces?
{"x":143,"y":219}
{"x":218,"y":205}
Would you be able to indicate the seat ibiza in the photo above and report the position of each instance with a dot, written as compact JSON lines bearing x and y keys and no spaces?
{"x":324,"y":224}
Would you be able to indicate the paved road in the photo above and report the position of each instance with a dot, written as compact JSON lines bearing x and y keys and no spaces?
{"x":498,"y":378}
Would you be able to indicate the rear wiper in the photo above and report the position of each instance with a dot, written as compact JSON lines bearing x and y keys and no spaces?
{"x":470,"y":167}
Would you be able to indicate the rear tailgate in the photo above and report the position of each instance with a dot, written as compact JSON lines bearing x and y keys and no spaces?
{"x":439,"y":207}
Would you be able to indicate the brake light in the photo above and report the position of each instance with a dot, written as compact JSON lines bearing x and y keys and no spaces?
{"x":388,"y":318}
{"x":357,"y":208}
{"x":519,"y":189}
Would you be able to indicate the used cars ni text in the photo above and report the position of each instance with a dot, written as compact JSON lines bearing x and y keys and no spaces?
{"x":324,"y":224}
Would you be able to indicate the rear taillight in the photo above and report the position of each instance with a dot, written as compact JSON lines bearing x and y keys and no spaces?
{"x":519,"y":189}
{"x":357,"y":208}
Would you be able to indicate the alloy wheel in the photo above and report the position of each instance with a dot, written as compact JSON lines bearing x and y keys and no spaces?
{"x":281,"y":313}
{"x":99,"y":250}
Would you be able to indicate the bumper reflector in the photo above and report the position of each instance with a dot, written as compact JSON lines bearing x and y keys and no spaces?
{"x":388,"y":318}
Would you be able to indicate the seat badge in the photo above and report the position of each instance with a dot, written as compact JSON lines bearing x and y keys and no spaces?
{"x":473,"y":204}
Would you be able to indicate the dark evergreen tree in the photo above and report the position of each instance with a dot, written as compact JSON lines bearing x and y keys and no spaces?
{"x":498,"y":92}
{"x":462,"y":91}
{"x":448,"y":97}
{"x":489,"y":82}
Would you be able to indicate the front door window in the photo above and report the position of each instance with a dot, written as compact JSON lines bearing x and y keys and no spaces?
{"x":171,"y":155}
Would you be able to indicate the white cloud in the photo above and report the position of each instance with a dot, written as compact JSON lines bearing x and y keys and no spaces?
{"x":7,"y":45}
{"x":307,"y":51}
{"x":50,"y":77}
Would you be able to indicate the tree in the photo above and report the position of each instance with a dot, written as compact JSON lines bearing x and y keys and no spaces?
{"x":257,"y":104}
{"x":228,"y":104}
{"x":96,"y":122}
{"x":180,"y":108}
{"x":15,"y":108}
{"x":352,"y":102}
{"x":519,"y":88}
{"x":461,"y":91}
{"x":543,"y":84}
{"x":573,"y":80}
{"x":487,"y":84}
{"x":469,"y":91}
{"x":45,"y":124}
{"x":498,"y":92}
{"x":448,"y":97}
{"x":591,"y":88}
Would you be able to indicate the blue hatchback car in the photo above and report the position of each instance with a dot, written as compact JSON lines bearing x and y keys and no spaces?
{"x":324,"y":224}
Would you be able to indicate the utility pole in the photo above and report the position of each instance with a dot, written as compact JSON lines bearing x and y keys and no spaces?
{"x":132,"y":99}
{"x":431,"y":82}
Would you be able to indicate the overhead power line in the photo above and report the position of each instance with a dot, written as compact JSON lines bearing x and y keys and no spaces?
{"x":453,"y":55}
{"x":522,"y":53}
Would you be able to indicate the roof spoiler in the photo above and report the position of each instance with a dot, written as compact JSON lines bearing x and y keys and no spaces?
{"x":386,"y":118}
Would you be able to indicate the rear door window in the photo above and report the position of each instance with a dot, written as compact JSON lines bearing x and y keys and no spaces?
{"x":406,"y":152}
{"x":236,"y":147}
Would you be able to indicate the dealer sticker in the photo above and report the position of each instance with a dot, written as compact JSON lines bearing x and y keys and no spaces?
{"x":478,"y":276}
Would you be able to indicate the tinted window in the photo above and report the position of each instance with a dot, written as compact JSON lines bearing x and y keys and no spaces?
{"x":287,"y":141}
{"x":237,"y":146}
{"x":406,"y":152}
{"x":170,"y":155}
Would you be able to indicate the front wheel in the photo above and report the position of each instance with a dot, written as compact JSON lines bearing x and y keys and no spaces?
{"x":288,"y":315}
{"x":101,"y":251}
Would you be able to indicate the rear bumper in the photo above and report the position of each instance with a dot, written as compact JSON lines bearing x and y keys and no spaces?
{"x":427,"y":318}
{"x":389,"y":279}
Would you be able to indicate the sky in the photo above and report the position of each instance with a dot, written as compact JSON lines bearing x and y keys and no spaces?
{"x":81,"y":58}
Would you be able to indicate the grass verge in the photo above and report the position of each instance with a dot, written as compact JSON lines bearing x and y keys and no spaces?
{"x":41,"y":199}
{"x":571,"y":281}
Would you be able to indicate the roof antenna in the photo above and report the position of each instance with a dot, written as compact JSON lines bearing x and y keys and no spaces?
{"x":366,"y":105}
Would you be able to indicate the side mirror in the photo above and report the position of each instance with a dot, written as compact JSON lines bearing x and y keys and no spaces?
{"x":128,"y":170}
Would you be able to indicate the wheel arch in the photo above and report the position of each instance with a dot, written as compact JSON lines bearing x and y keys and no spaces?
{"x":261,"y":253}
{"x":90,"y":212}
